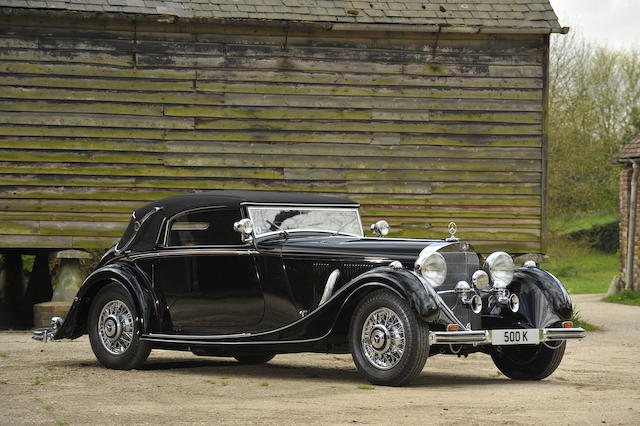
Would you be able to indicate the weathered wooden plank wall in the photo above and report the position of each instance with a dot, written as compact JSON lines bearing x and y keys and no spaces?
{"x":98,"y":116}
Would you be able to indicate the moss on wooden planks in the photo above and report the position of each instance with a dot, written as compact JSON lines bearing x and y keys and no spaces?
{"x":300,"y":113}
{"x":39,"y":93}
{"x":374,"y":126}
{"x":52,"y":206}
{"x":67,"y":56}
{"x":365,"y":79}
{"x":376,"y":102}
{"x":356,"y":150}
{"x":97,"y":121}
{"x":110,"y":108}
{"x":63,"y":216}
{"x":79,"y":156}
{"x":342,"y":162}
{"x":98,"y":83}
{"x":358,"y":91}
{"x":87,"y":70}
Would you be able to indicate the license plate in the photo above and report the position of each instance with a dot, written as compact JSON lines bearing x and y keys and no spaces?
{"x":529,"y":336}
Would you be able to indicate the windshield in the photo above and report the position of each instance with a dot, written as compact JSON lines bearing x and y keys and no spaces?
{"x":336,"y":220}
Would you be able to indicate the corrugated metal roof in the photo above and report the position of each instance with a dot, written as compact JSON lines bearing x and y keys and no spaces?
{"x":630,"y":150}
{"x":443,"y":15}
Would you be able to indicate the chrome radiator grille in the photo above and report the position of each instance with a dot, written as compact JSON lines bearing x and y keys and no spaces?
{"x":460,"y":266}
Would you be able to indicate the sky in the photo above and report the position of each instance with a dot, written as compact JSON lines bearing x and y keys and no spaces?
{"x":614,"y":23}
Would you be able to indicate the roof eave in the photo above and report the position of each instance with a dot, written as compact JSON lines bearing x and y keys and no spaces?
{"x":328,"y":25}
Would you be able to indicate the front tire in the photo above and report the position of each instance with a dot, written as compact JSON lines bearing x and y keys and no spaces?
{"x":389,"y":343}
{"x":529,"y":363}
{"x":114,"y":331}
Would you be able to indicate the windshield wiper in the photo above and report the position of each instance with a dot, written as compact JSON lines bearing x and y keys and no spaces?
{"x":273,"y":225}
{"x":344,"y":226}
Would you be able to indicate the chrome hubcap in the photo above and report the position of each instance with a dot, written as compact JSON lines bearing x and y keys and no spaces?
{"x":382,"y":339}
{"x":115,"y":327}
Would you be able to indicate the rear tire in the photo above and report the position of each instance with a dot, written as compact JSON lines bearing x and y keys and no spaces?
{"x":114,"y":330}
{"x":389,"y":343}
{"x":255,"y":359}
{"x":529,"y":363}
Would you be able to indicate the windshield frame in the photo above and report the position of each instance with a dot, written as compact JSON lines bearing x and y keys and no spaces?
{"x":326,"y":207}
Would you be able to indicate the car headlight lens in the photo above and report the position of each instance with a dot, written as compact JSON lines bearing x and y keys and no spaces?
{"x":432,"y":267}
{"x":500,"y":266}
{"x":480,"y":280}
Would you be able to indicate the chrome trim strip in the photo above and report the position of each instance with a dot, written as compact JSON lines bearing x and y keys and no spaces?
{"x":555,"y":334}
{"x":328,"y":287}
{"x":484,"y":337}
{"x":209,"y":343}
{"x":251,"y":203}
{"x":194,"y":252}
{"x":293,"y":231}
{"x":460,"y":337}
{"x":196,"y":336}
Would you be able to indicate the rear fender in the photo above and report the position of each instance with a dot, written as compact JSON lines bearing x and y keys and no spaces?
{"x":126,"y":275}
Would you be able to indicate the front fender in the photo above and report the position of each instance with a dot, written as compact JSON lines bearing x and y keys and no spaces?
{"x":543,"y":299}
{"x":423,"y":299}
{"x":126,"y":275}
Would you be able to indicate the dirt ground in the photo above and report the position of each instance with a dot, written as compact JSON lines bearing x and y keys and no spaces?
{"x":61,"y":382}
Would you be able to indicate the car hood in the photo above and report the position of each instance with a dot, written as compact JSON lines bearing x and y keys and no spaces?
{"x":341,"y":247}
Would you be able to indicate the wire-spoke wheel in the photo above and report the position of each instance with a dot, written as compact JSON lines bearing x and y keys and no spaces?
{"x":389,"y":343}
{"x":113,"y":329}
{"x":383,"y":339}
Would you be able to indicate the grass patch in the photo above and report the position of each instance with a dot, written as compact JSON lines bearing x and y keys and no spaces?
{"x":46,"y":379}
{"x":578,"y":321}
{"x":365,"y":387}
{"x":61,"y":422}
{"x":264,"y":384}
{"x":581,"y":269}
{"x":48,"y":407}
{"x":3,"y":355}
{"x":223,"y":383}
{"x":626,"y":297}
{"x":567,"y":225}
{"x":560,"y":378}
{"x":225,"y":378}
{"x":211,"y":382}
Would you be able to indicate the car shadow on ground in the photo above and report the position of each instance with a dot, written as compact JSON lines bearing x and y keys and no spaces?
{"x":278,"y":370}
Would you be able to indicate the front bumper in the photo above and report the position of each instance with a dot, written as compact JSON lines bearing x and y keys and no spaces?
{"x":485,"y":337}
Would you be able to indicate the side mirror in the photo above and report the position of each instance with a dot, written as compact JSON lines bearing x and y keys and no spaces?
{"x":245,"y":228}
{"x":380,"y":228}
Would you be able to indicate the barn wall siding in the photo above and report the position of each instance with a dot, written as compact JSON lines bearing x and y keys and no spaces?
{"x":97,"y":117}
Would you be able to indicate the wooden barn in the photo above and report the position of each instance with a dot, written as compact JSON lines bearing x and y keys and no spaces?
{"x":422,"y":111}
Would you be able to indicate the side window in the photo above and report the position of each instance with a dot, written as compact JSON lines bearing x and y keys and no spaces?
{"x":204,"y":228}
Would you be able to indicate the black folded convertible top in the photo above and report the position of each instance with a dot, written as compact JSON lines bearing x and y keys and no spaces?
{"x":151,"y":216}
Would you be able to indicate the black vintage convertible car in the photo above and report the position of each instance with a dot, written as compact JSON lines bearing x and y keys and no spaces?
{"x":254,"y":274}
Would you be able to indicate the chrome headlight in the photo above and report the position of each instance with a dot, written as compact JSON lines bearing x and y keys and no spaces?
{"x":480,"y":280}
{"x":500,"y":267}
{"x":432,"y":267}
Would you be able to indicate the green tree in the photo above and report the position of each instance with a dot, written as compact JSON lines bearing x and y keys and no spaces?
{"x":594,"y":111}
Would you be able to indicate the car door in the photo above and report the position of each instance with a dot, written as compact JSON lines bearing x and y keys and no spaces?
{"x":208,"y":276}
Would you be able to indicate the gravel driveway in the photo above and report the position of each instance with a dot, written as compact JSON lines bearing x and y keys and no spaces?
{"x":61,"y":382}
